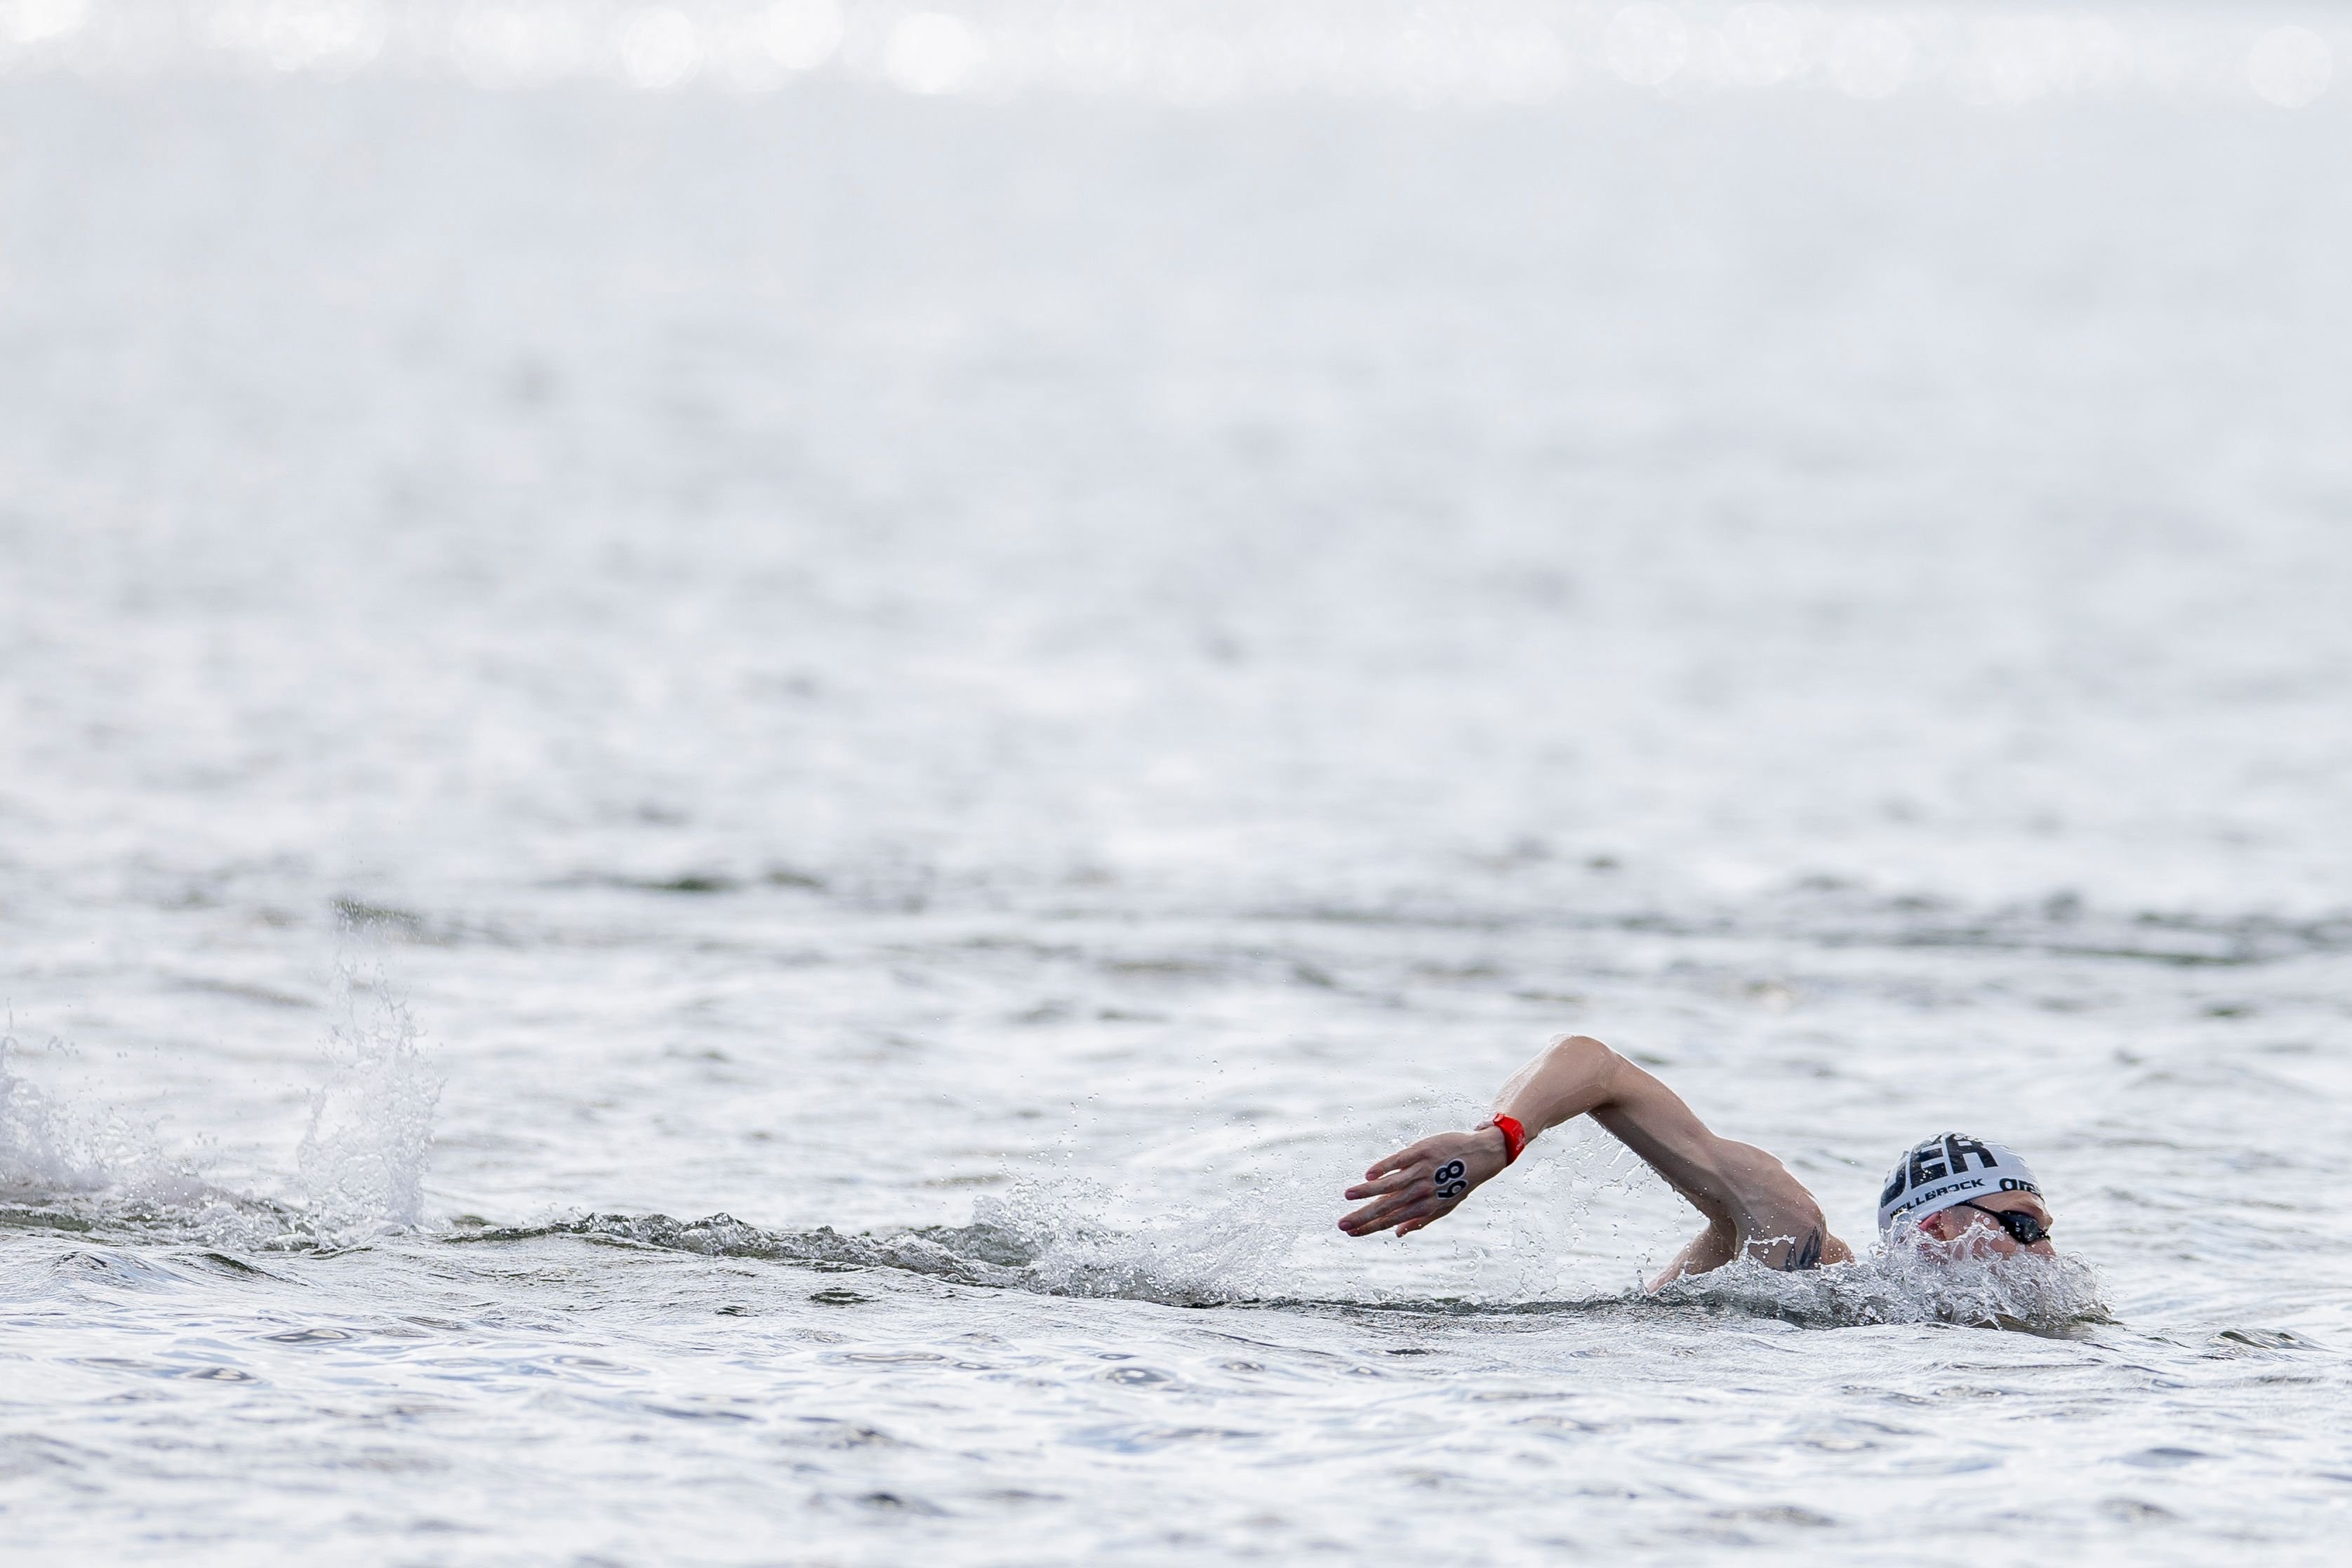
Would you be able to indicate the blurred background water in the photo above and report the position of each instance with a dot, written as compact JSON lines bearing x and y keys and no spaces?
{"x":1002,"y":641}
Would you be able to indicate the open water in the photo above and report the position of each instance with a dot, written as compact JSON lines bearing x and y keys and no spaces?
{"x":742,"y":750}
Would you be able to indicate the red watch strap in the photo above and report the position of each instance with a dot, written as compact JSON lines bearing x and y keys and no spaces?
{"x":1515,"y":1137}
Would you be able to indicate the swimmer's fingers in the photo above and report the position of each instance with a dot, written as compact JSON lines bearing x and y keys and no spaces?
{"x":1408,"y":1212}
{"x":1395,"y":1163}
{"x":1405,"y":1159}
{"x":1408,"y":1200}
{"x":1396,"y":1180}
{"x":1391,"y":1210}
{"x":1418,"y":1185}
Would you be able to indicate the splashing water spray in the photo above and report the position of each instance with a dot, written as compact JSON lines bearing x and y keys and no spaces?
{"x":359,"y":1168}
{"x":53,"y":1151}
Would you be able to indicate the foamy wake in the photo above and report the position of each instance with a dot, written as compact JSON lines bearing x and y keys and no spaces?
{"x":1044,"y":1237}
{"x":1051,"y":1240}
{"x":1902,"y":1282}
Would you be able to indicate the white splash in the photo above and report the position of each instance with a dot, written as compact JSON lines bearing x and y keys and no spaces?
{"x":361,"y":1165}
{"x":360,"y":1169}
{"x":1070,"y":1239}
{"x":1902,"y":1281}
{"x":40,"y":1150}
{"x":52,"y":1148}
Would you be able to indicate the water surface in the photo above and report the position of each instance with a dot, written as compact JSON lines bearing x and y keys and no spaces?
{"x":723,"y":814}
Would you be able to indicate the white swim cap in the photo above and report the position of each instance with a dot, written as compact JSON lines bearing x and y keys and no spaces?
{"x":1938,"y":1175}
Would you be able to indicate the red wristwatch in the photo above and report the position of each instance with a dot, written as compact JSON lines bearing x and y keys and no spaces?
{"x":1515,"y":1137}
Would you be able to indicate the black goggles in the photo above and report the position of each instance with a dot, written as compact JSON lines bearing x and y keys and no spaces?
{"x":2023,"y":1229}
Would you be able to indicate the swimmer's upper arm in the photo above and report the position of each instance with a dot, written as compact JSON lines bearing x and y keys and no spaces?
{"x":1576,"y":1075}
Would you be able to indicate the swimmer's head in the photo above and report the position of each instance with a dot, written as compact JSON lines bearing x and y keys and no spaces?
{"x":1957,"y":1189}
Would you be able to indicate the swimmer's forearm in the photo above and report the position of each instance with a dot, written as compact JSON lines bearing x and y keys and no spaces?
{"x":1576,"y":1076}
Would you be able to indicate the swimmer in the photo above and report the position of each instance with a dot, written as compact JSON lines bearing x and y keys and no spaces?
{"x":1967,"y":1198}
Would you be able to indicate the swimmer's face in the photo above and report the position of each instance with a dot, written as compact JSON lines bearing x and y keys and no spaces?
{"x":1970,"y":1233}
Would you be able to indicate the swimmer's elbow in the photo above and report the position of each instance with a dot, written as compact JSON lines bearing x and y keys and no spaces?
{"x":1580,"y":1054}
{"x":1572,"y":1075}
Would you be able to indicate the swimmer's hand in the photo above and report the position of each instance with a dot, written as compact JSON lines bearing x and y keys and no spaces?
{"x":1418,"y":1187}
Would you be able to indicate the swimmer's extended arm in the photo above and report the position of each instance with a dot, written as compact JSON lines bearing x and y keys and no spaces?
{"x":1747,"y":1196}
